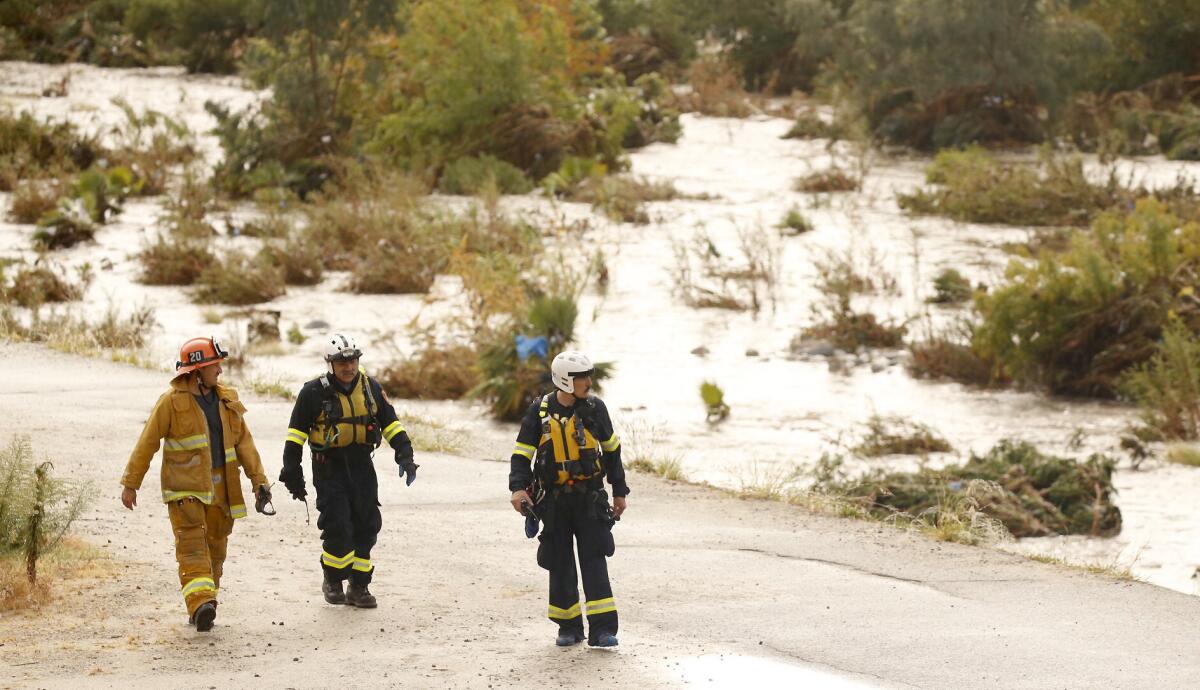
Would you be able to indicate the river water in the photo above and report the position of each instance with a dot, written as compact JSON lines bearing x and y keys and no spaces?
{"x":738,"y":177}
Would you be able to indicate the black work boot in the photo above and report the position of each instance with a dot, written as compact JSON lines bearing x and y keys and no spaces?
{"x":205,"y":615}
{"x":360,"y":596}
{"x":332,"y":589}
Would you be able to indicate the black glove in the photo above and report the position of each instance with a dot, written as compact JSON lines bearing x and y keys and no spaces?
{"x":292,"y":476}
{"x":404,"y":458}
{"x":262,"y":500}
{"x":408,"y":470}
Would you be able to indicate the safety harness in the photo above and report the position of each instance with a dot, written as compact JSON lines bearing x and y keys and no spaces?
{"x":333,"y":417}
{"x":568,"y":455}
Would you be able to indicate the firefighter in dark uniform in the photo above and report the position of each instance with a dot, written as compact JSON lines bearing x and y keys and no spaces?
{"x":571,"y":436}
{"x":344,"y":415}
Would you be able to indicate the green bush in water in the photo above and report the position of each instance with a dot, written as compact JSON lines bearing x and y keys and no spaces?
{"x":950,"y":287}
{"x":977,"y":187}
{"x":1167,"y":387}
{"x":472,"y":175}
{"x":1073,"y":322}
{"x":1032,"y":493}
{"x":509,"y":385}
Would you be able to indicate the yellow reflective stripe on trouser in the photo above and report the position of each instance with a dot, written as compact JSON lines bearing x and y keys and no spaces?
{"x":336,"y":561}
{"x":296,"y":436}
{"x":200,"y":584}
{"x":611,"y":444}
{"x":600,"y":606}
{"x":564,"y":614}
{"x":186,"y":443}
{"x":363,"y":565}
{"x":203,"y":496}
{"x":390,"y":431}
{"x":524,"y":449}
{"x":238,"y":511}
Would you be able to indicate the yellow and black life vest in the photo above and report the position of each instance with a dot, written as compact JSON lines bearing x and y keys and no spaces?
{"x":346,"y":419}
{"x":567,"y":450}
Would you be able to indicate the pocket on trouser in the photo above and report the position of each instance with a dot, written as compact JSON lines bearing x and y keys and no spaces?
{"x":188,"y":522}
{"x":545,"y":552}
{"x":607,"y":546}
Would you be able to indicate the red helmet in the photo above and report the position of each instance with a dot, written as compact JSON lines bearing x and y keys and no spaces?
{"x":199,"y":352}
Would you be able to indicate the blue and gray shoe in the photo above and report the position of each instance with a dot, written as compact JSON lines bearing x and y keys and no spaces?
{"x":604,"y":640}
{"x":566,"y":638}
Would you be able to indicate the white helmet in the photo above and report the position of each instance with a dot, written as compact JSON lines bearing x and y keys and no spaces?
{"x":340,"y":347}
{"x":566,"y":366}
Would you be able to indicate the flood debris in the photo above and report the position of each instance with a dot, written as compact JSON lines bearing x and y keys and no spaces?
{"x":1034,"y":494}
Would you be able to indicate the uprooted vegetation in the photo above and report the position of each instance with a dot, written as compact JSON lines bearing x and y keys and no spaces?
{"x":840,"y":277}
{"x":93,"y":199}
{"x":833,"y":179}
{"x":621,"y":199}
{"x":975,"y":186}
{"x":898,"y":436}
{"x":708,"y":276}
{"x":1032,"y":493}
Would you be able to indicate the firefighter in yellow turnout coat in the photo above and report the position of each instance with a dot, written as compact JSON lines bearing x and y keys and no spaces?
{"x":205,"y":442}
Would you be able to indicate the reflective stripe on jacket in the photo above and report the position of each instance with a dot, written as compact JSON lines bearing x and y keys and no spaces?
{"x":179,"y":423}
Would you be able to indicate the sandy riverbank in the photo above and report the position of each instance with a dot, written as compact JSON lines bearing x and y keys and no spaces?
{"x":710,"y":589}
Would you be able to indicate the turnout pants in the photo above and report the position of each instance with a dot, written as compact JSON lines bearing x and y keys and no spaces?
{"x":201,"y":536}
{"x":573,"y":517}
{"x":348,"y":503}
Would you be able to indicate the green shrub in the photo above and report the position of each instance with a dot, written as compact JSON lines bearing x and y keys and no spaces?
{"x":33,"y":286}
{"x":149,"y":144}
{"x":36,"y":509}
{"x":1167,"y":387}
{"x":433,"y":373}
{"x":31,"y":148}
{"x":203,"y":35}
{"x":509,"y":385}
{"x":1073,"y":322}
{"x":470,"y":176}
{"x":33,"y":199}
{"x":302,"y":262}
{"x":976,"y":187}
{"x":809,"y":125}
{"x":832,"y":180}
{"x":939,"y":357}
{"x":950,"y":287}
{"x":174,"y":260}
{"x":238,"y":280}
{"x":794,"y":222}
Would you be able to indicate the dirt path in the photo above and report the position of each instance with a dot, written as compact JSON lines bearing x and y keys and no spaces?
{"x":712,"y":591}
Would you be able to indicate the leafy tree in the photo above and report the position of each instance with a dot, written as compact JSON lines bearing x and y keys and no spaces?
{"x":936,"y":73}
{"x":1151,"y":38}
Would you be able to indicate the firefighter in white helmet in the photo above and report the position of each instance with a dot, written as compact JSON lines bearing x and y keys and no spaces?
{"x":568,"y":436}
{"x":344,"y":415}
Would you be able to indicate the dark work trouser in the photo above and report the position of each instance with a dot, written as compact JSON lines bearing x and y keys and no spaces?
{"x":348,"y":503}
{"x":570,"y":518}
